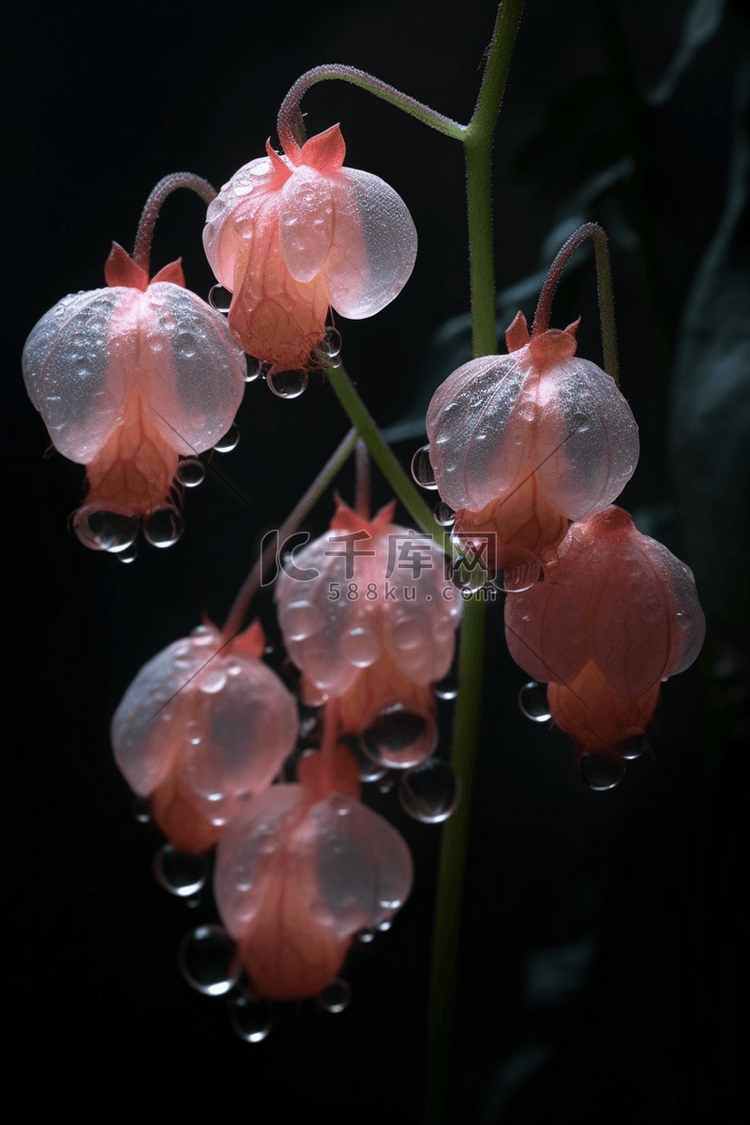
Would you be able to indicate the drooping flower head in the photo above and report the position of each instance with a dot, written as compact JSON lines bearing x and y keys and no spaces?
{"x":300,"y":870}
{"x":369,"y":616}
{"x":202,"y":725}
{"x":522,"y":444}
{"x":290,"y":236}
{"x":129,"y":379}
{"x":616,"y":615}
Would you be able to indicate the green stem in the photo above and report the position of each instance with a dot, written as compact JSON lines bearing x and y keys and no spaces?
{"x":290,"y":125}
{"x":606,"y":296}
{"x":445,"y":953}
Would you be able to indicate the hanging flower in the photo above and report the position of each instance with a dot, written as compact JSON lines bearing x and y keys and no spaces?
{"x":616,"y":615}
{"x":301,"y":869}
{"x":202,"y":725}
{"x":524,"y":443}
{"x":291,"y":236}
{"x":128,"y":379}
{"x":369,"y":616}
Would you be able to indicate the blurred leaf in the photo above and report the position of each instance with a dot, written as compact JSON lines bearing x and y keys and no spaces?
{"x":702,"y":21}
{"x":710,"y":422}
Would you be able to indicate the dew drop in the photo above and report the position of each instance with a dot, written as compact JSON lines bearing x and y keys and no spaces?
{"x":229,"y":442}
{"x":128,"y":555}
{"x":633,"y":747}
{"x":517,"y":570}
{"x":444,"y":514}
{"x":600,"y":772}
{"x":253,"y":368}
{"x":141,"y":811}
{"x":191,"y":472}
{"x":251,"y":1019}
{"x":287,"y":384}
{"x":213,"y":680}
{"x":208,"y":960}
{"x":684,"y":620}
{"x":200,"y":635}
{"x":398,"y":738}
{"x":467,"y":573}
{"x":532,"y":699}
{"x":335,"y":998}
{"x":106,"y":531}
{"x":330,"y":345}
{"x":447,"y":688}
{"x":429,"y":792}
{"x":369,"y":771}
{"x":361,"y":647}
{"x":421,"y":468}
{"x":220,"y":299}
{"x":384,"y":926}
{"x":180,"y":873}
{"x":365,"y":937}
{"x":579,"y":423}
{"x":386,"y":783}
{"x":162,"y":527}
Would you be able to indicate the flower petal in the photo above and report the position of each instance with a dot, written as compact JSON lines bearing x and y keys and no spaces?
{"x":306,"y":217}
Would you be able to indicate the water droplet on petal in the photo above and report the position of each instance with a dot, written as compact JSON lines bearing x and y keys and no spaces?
{"x":532,"y":699}
{"x":254,"y":368}
{"x":330,"y":345}
{"x":369,"y":771}
{"x":447,"y":688}
{"x":128,"y":555}
{"x":287,"y":384}
{"x":467,"y":573}
{"x":212,"y":681}
{"x":365,"y":937}
{"x":208,"y":960}
{"x":684,"y":620}
{"x":444,"y":514}
{"x":162,"y":527}
{"x":229,"y":441}
{"x":191,"y":472}
{"x":429,"y":792}
{"x":106,"y":531}
{"x":398,"y":738}
{"x":361,"y":647}
{"x":633,"y":747}
{"x":335,"y":998}
{"x":421,"y":469}
{"x":600,"y":772}
{"x":579,"y":423}
{"x":220,"y":299}
{"x":517,"y":570}
{"x":180,"y":873}
{"x":251,"y":1019}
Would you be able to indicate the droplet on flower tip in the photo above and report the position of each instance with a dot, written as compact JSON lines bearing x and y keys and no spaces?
{"x":447,"y":688}
{"x":191,"y":472}
{"x":180,"y":873}
{"x":287,"y":384}
{"x":398,"y":738}
{"x":633,"y":747}
{"x":229,"y":442}
{"x":106,"y":531}
{"x":128,"y":555}
{"x":600,"y":772}
{"x":429,"y":792}
{"x":421,"y":468}
{"x":220,"y":299}
{"x":141,"y":811}
{"x":444,"y":514}
{"x":251,"y":1019}
{"x":208,"y":960}
{"x":365,"y":937}
{"x":330,"y":345}
{"x":162,"y":527}
{"x":532,"y":700}
{"x":335,"y":997}
{"x":254,"y":369}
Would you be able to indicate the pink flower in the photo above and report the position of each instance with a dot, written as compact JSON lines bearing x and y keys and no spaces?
{"x":616,"y":615}
{"x":524,"y":443}
{"x":128,"y":379}
{"x":374,"y":637}
{"x":300,"y":870}
{"x":290,"y":236}
{"x":202,"y":725}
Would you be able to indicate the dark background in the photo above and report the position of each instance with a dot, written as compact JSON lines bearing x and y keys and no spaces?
{"x":600,"y":953}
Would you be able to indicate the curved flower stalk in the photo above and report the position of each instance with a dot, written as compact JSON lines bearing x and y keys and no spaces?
{"x":129,"y":379}
{"x":203,"y":724}
{"x":522,"y":444}
{"x":616,"y":615}
{"x":369,"y":616}
{"x":301,"y":869}
{"x":291,"y":235}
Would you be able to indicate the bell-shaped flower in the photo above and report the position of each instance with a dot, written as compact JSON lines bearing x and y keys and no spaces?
{"x":203,"y":725}
{"x":300,"y":870}
{"x":291,"y":236}
{"x":616,"y":615}
{"x":129,"y":379}
{"x":369,"y":615}
{"x":522,"y":444}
